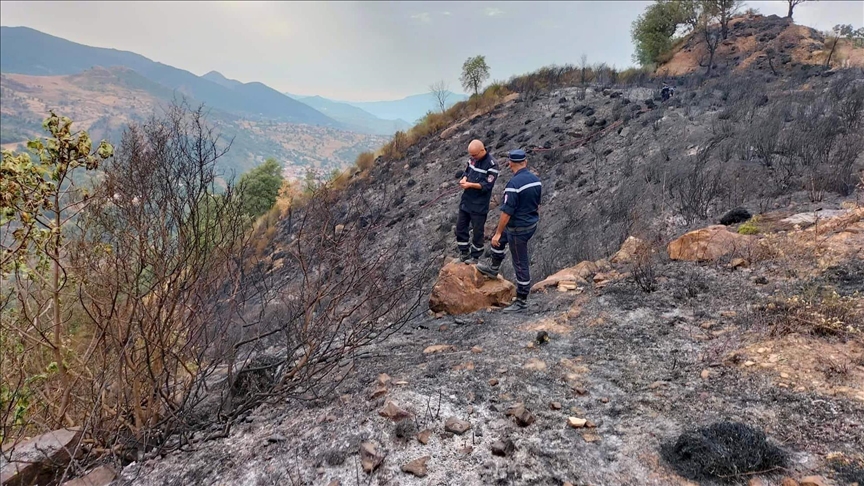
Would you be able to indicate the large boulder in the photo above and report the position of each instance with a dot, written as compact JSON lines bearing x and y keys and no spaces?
{"x":630,"y":250}
{"x":37,"y":460}
{"x":708,"y":244}
{"x":462,"y":289}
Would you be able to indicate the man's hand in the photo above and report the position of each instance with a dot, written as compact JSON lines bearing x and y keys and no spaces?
{"x":496,"y":240}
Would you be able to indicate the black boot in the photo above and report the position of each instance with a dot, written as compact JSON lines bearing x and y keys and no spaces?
{"x":489,"y":270}
{"x":518,"y":305}
{"x":465,"y":257}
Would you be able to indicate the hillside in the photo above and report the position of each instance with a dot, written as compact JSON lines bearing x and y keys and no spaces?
{"x":27,"y":51}
{"x":741,"y":337}
{"x":763,"y":44}
{"x":104,"y":100}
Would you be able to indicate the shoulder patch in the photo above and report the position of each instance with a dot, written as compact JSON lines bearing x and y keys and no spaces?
{"x":490,"y":178}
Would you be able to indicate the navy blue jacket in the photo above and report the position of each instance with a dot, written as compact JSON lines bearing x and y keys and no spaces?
{"x":522,"y":199}
{"x":484,"y":172}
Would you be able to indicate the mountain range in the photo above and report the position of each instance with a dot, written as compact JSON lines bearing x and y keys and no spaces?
{"x":104,"y":89}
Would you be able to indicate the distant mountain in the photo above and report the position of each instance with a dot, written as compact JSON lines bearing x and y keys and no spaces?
{"x":105,"y":100}
{"x":218,"y":78}
{"x":411,"y":108}
{"x":27,"y":51}
{"x":353,"y":117}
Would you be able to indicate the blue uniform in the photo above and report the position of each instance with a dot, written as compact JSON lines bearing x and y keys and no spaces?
{"x":522,"y":203}
{"x":474,"y":205}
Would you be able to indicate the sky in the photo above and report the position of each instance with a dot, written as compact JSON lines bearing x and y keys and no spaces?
{"x":366,"y":51}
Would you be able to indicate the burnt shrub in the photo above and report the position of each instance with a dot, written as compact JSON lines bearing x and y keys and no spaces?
{"x":723,"y":451}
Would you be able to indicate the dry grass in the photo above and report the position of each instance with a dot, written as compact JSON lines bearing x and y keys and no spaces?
{"x":816,"y":311}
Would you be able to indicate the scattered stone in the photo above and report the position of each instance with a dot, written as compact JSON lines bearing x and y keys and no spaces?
{"x":466,"y":450}
{"x":813,"y":481}
{"x":521,"y":414}
{"x":604,"y":400}
{"x":424,"y":436}
{"x":705,"y":374}
{"x":416,"y":467}
{"x":755,"y":482}
{"x":503,"y":447}
{"x":456,"y":426}
{"x":535,"y":364}
{"x":631,"y":247}
{"x":576,"y":423}
{"x":335,"y":482}
{"x":555,"y":405}
{"x":789,"y":482}
{"x":438,"y":348}
{"x":590,"y":425}
{"x":36,"y":460}
{"x":379,"y":392}
{"x":369,"y":457}
{"x":738,"y":263}
{"x":101,"y":476}
{"x":393,"y":412}
{"x":590,"y":437}
{"x":384,"y":379}
{"x":443,"y":327}
{"x":276,"y":438}
{"x":749,"y":363}
{"x":493,"y":382}
{"x":476,"y":350}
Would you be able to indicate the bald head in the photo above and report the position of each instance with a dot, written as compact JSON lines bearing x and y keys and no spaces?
{"x":476,"y":149}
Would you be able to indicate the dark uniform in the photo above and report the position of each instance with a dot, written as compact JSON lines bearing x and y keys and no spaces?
{"x":667,"y":92}
{"x":522,"y":203}
{"x":474,"y":206}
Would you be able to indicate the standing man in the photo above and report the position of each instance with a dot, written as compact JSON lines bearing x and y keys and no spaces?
{"x":519,"y":217}
{"x":477,"y":183}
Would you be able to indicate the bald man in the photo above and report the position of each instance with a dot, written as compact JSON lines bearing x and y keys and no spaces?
{"x":477,"y":182}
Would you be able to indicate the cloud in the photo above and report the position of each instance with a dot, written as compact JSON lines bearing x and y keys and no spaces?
{"x":445,"y":13}
{"x":423,"y":17}
{"x":492,"y":11}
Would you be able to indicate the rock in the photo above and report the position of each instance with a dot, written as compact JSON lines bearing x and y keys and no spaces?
{"x":738,"y":263}
{"x":813,"y":481}
{"x":466,"y":450}
{"x":493,"y":382}
{"x":276,"y":438}
{"x":416,"y":467}
{"x":438,"y":348}
{"x":369,"y":457}
{"x":379,"y":392}
{"x":456,"y":426}
{"x":705,"y":374}
{"x":424,"y":436}
{"x":335,"y":482}
{"x":36,"y":460}
{"x":789,"y":482}
{"x":523,"y":417}
{"x":503,"y":448}
{"x":577,"y":274}
{"x":555,"y":405}
{"x":756,"y":482}
{"x":535,"y":364}
{"x":806,"y":219}
{"x":576,"y":423}
{"x":542,"y":337}
{"x":461,"y":289}
{"x":629,"y":249}
{"x":707,"y":244}
{"x":590,"y":437}
{"x":476,"y":350}
{"x":339,"y":229}
{"x":735,"y":216}
{"x":443,"y":327}
{"x":393,"y":412}
{"x":101,"y":476}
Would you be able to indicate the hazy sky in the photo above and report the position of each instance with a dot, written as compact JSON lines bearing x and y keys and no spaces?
{"x":366,"y":50}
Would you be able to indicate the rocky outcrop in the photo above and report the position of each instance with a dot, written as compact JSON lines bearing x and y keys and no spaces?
{"x":631,"y":247}
{"x":578,"y":274}
{"x":708,"y":244}
{"x":461,"y":289}
{"x":36,"y":461}
{"x":101,"y":476}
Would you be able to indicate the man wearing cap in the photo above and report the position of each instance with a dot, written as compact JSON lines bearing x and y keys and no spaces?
{"x":519,"y":217}
{"x":477,"y":182}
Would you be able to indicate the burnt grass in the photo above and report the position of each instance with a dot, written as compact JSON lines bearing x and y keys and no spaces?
{"x":644,"y":353}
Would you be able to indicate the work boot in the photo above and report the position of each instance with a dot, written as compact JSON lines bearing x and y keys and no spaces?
{"x":489,"y":270}
{"x":518,"y":305}
{"x":471,"y":261}
{"x":464,"y":257}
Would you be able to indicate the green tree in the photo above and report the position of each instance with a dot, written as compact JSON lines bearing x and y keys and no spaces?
{"x":38,"y":200}
{"x":653,"y":31}
{"x":475,"y":72}
{"x":260,"y":187}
